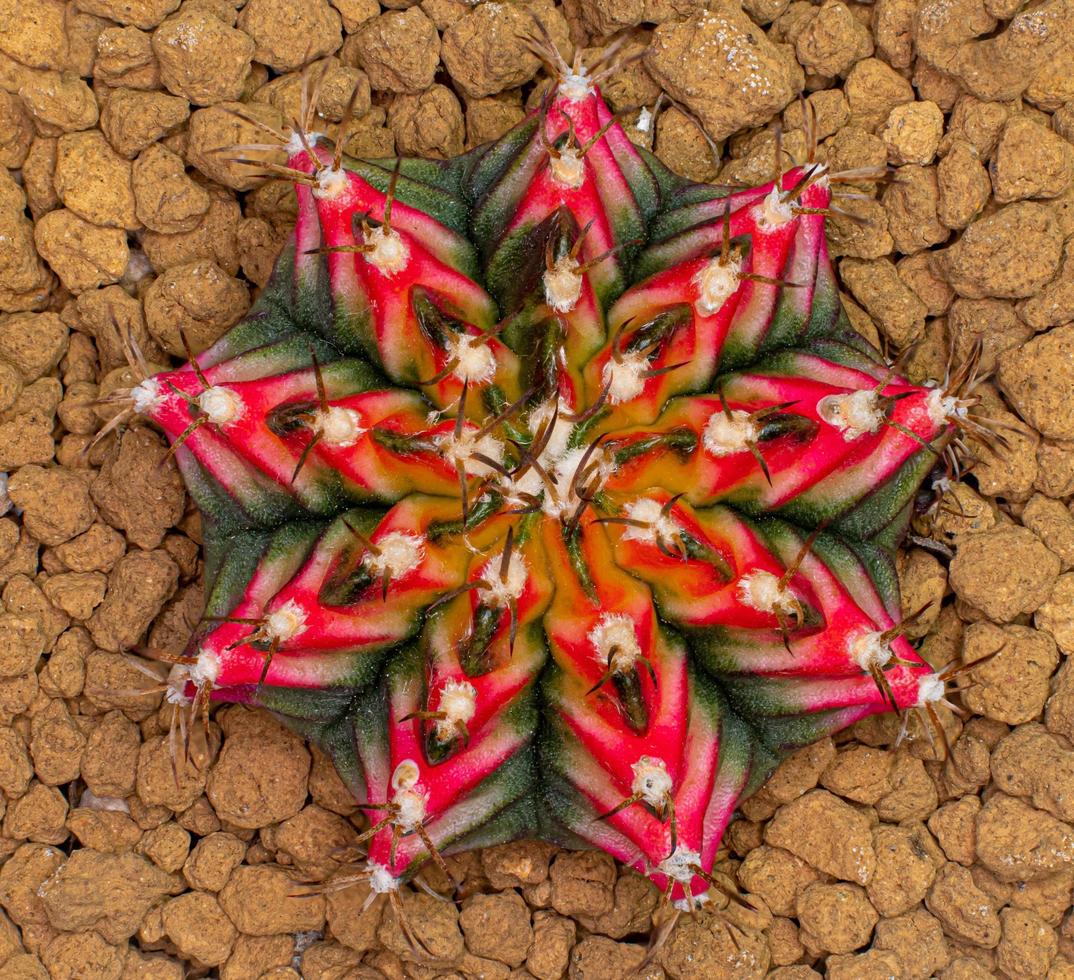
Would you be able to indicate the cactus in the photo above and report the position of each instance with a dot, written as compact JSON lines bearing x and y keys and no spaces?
{"x":550,"y":493}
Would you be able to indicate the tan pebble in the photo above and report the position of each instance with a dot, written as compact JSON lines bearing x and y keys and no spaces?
{"x":1054,"y":304}
{"x":723,"y":68}
{"x":22,"y":642}
{"x":167,"y":200}
{"x":60,"y":99}
{"x":326,"y":960}
{"x":34,"y":33}
{"x":553,"y":937}
{"x":55,"y":502}
{"x":93,"y":181}
{"x":24,"y":279}
{"x":157,"y":784}
{"x":107,"y":892}
{"x":38,"y":168}
{"x":76,"y":593}
{"x":1004,"y":572}
{"x":1028,"y":945}
{"x":498,"y":927}
{"x":202,"y":58}
{"x":134,"y":120}
{"x":872,"y":90}
{"x":1036,"y":379}
{"x":197,"y":925}
{"x":681,"y":145}
{"x":212,"y":860}
{"x":356,"y":12}
{"x":167,"y":846}
{"x":21,"y":877}
{"x":517,"y":863}
{"x":703,"y":946}
{"x":429,"y":124}
{"x":912,"y":133}
{"x":214,"y":129}
{"x":828,"y":834}
{"x":916,"y":272}
{"x":488,"y":119}
{"x":312,"y":836}
{"x":1030,"y":162}
{"x":833,"y":41}
{"x":137,"y":588}
{"x":877,"y":286}
{"x":964,"y":910}
{"x":963,"y":185}
{"x":977,"y":123}
{"x":98,"y":548}
{"x":71,"y":956}
{"x":124,"y":58}
{"x":992,"y":322}
{"x":875,"y":964}
{"x":954,"y":825}
{"x":399,"y":51}
{"x":1010,"y":253}
{"x":1056,"y":615}
{"x":911,"y":202}
{"x":38,"y":815}
{"x":798,"y":773}
{"x":19,"y":132}
{"x":1018,"y":842}
{"x":1030,"y":762}
{"x":582,"y":883}
{"x":135,"y":492}
{"x":777,"y":876}
{"x":861,"y":774}
{"x":108,"y":314}
{"x":837,"y":918}
{"x":634,"y":901}
{"x":254,"y":956}
{"x":862,"y":233}
{"x":351,"y":921}
{"x":112,"y":831}
{"x":1013,"y":685}
{"x":906,"y":862}
{"x":56,"y":745}
{"x":15,"y":767}
{"x":83,"y":255}
{"x":287,"y":35}
{"x":259,"y":901}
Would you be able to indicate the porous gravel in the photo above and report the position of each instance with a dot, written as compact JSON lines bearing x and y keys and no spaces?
{"x":859,"y":860}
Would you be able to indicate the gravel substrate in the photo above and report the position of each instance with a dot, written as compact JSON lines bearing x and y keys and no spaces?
{"x":860,"y":860}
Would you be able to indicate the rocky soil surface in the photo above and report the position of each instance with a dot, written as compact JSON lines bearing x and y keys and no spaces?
{"x":860,"y":860}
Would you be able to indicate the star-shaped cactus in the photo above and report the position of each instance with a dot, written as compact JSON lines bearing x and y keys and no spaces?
{"x":552,"y":494}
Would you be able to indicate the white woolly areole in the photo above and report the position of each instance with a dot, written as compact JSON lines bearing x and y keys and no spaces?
{"x":408,"y":799}
{"x":625,"y":378}
{"x":222,"y":405}
{"x":774,"y":212}
{"x":556,"y":445}
{"x":563,"y":284}
{"x":764,"y":592}
{"x":724,"y":436}
{"x":853,"y":414}
{"x":147,"y":396}
{"x":499,"y":593}
{"x":869,"y":651}
{"x":565,"y":501}
{"x":295,"y":145}
{"x":476,"y":362}
{"x":285,"y":623}
{"x":458,"y":702}
{"x":576,"y":86}
{"x":716,"y":284}
{"x":340,"y":427}
{"x":568,"y":169}
{"x":645,"y":120}
{"x":178,"y":678}
{"x":652,"y":781}
{"x":388,"y":252}
{"x":381,"y":880}
{"x":660,"y":526}
{"x":680,"y":864}
{"x":398,"y":553}
{"x":205,"y":669}
{"x":930,"y":690}
{"x":330,"y":183}
{"x":942,"y":408}
{"x":461,"y":450}
{"x":615,"y":641}
{"x":693,"y":902}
